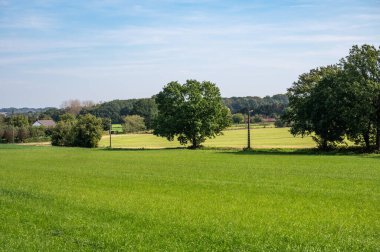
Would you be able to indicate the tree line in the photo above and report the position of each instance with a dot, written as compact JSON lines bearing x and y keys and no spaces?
{"x":340,"y":101}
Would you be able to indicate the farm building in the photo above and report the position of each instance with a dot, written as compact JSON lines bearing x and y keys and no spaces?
{"x":45,"y":123}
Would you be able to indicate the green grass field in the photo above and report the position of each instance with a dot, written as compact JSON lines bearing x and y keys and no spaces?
{"x":261,"y":138}
{"x":71,"y":199}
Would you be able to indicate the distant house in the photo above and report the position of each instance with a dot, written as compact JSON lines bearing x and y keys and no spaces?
{"x":45,"y":123}
{"x":3,"y":113}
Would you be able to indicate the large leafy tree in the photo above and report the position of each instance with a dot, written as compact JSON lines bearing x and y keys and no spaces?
{"x":362,"y":81}
{"x":192,"y":112}
{"x":314,"y":106}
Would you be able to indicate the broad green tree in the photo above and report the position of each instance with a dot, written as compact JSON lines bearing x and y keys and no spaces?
{"x":192,"y":112}
{"x":314,"y":106}
{"x":362,"y":84}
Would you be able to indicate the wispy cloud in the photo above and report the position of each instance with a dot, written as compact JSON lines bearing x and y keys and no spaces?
{"x":148,"y":43}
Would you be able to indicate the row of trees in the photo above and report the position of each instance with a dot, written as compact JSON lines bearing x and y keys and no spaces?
{"x":17,"y":128}
{"x":339,"y":101}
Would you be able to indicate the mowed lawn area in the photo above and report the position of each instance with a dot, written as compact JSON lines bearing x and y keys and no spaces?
{"x":260,"y":137}
{"x":72,"y":199}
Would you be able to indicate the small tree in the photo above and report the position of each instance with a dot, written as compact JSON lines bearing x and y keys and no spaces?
{"x":37,"y":132}
{"x":63,"y":134}
{"x":9,"y":134}
{"x":191,"y":112}
{"x":133,"y":123}
{"x":88,"y":131}
{"x":2,"y":130}
{"x":22,"y":134}
{"x":238,"y":118}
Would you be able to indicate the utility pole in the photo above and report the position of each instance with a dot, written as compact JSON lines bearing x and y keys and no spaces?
{"x":249,"y":130}
{"x":13,"y":127}
{"x":110,"y":134}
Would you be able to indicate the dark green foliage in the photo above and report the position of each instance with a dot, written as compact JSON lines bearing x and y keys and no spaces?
{"x":362,"y":87}
{"x":38,"y":132}
{"x":63,"y":134}
{"x":1,"y":133}
{"x":315,"y":106}
{"x":106,"y":124}
{"x":267,"y":106}
{"x":52,"y":113}
{"x":191,"y":112}
{"x":133,"y":123}
{"x":238,"y":118}
{"x":115,"y":110}
{"x":338,"y":101}
{"x":88,"y":131}
{"x":9,"y":134}
{"x":18,"y":120}
{"x":147,"y":108}
{"x":22,"y":134}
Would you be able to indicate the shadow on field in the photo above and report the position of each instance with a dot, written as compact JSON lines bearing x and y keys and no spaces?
{"x":311,"y":151}
{"x":142,"y":149}
{"x":275,"y":151}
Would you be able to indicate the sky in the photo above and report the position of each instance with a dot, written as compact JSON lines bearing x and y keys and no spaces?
{"x":100,"y":50}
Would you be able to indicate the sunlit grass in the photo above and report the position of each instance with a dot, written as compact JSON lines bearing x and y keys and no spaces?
{"x":71,"y":199}
{"x":260,"y":138}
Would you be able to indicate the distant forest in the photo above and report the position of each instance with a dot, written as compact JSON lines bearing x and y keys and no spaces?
{"x":268,"y":106}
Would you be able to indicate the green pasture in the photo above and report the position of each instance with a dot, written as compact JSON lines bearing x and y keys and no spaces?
{"x":260,"y":137}
{"x":72,"y":199}
{"x":117,"y":128}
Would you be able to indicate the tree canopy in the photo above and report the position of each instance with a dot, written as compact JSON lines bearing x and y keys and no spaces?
{"x":192,"y":112}
{"x":339,"y":101}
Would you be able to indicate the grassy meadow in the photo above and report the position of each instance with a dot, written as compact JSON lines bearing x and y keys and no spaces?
{"x":237,"y":138}
{"x":72,"y":199}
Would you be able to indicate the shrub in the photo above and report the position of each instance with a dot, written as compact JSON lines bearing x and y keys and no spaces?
{"x":133,"y":123}
{"x":1,"y":134}
{"x":9,"y":134}
{"x":36,"y":132}
{"x":88,"y":131}
{"x":22,"y":134}
{"x":238,"y":118}
{"x":63,"y":134}
{"x":257,"y":119}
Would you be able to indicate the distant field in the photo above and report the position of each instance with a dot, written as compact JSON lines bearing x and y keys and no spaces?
{"x":71,"y":199}
{"x":260,"y":137}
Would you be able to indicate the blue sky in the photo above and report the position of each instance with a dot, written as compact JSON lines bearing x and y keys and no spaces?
{"x":51,"y":50}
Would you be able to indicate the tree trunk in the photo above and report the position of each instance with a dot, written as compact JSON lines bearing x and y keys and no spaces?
{"x":324,"y":144}
{"x":366,"y":139}
{"x":194,"y":142}
{"x":378,"y":138}
{"x":378,"y":124}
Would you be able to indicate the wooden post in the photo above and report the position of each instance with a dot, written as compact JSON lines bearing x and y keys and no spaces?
{"x":110,"y":134}
{"x":249,"y":131}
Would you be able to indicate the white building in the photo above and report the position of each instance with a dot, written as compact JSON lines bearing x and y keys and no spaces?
{"x":45,"y":123}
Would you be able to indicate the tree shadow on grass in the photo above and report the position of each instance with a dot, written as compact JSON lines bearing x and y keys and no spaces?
{"x":347,"y":151}
{"x":141,"y":149}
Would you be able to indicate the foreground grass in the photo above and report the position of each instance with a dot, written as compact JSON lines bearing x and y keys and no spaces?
{"x":78,"y":199}
{"x":261,"y":138}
